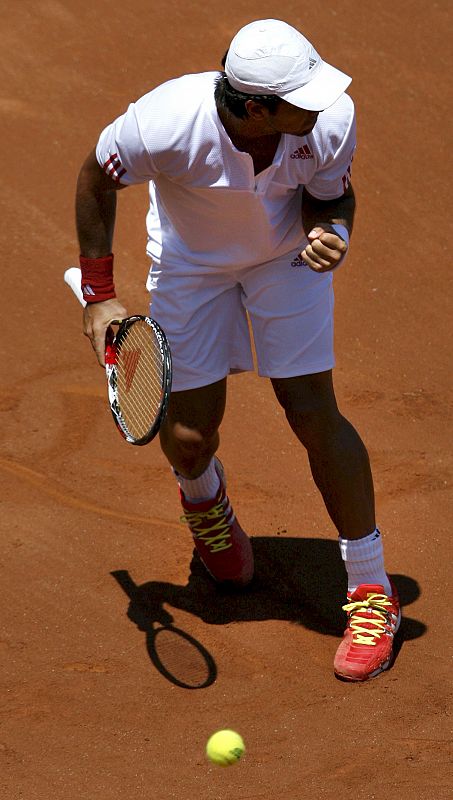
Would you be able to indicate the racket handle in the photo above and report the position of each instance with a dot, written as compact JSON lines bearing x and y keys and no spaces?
{"x":73,"y":277}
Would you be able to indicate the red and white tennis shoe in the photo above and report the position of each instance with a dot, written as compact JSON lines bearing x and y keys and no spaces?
{"x":224,"y":548}
{"x":367,"y":646}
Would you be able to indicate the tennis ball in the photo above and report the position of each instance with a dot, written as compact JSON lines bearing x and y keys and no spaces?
{"x":225,"y":748}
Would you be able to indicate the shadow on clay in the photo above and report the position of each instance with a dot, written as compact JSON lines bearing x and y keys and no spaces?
{"x":299,"y":580}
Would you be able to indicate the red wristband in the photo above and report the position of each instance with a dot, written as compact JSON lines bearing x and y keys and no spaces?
{"x":97,"y":278}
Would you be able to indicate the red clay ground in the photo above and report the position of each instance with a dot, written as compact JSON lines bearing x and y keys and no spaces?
{"x":96,"y":702}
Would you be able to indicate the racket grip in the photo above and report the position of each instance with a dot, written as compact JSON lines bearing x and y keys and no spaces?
{"x":73,"y":277}
{"x":110,"y":349}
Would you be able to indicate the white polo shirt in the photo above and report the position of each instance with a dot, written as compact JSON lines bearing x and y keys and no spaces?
{"x":206,"y":205}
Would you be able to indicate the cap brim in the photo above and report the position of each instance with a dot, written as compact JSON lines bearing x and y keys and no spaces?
{"x":321,"y":92}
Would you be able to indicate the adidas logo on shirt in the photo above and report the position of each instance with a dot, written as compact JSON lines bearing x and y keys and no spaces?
{"x":302,"y":152}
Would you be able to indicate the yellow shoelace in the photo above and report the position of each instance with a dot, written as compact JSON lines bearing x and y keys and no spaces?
{"x":377,"y":603}
{"x":217,"y":536}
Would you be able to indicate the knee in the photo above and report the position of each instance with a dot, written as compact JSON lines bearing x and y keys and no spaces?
{"x":314,"y":426}
{"x":310,"y":407}
{"x":190,"y":442}
{"x":190,"y":438}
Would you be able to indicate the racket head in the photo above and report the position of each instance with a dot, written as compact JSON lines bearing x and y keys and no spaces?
{"x":139,"y":373}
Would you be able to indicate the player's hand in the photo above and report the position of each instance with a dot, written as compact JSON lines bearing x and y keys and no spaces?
{"x":97,"y":318}
{"x":325,"y":249}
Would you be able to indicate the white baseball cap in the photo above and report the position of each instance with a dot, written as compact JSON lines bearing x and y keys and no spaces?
{"x":269,"y":56}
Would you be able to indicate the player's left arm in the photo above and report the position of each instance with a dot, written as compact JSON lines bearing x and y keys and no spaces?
{"x":327,"y":246}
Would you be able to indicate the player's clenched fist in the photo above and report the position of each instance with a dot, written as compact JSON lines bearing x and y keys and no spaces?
{"x":325,"y":249}
{"x":97,"y":317}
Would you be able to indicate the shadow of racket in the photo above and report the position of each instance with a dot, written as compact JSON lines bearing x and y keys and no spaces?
{"x":177,"y":656}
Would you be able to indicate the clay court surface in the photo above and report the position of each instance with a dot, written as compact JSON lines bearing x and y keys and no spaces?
{"x":119,"y":658}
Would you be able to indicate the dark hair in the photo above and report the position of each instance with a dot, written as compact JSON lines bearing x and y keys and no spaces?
{"x":231,"y":99}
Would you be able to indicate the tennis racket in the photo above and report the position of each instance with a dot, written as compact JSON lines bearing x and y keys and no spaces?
{"x":138,"y":369}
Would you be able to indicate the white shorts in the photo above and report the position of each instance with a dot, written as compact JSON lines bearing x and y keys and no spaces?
{"x":203,"y":311}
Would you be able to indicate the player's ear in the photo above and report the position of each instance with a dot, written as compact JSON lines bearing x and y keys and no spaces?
{"x":256,"y":110}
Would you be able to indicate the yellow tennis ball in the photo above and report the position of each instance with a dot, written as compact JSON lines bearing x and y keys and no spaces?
{"x":225,"y":748}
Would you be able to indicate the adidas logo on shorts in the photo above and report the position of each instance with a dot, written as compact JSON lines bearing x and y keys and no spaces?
{"x":299,"y":262}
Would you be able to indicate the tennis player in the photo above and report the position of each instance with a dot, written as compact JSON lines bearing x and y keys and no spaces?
{"x":251,"y":211}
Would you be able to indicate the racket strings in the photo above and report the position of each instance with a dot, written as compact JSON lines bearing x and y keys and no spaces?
{"x":140,"y":378}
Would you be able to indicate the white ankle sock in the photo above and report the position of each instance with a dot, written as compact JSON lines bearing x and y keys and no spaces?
{"x":205,"y":487}
{"x":364,"y":561}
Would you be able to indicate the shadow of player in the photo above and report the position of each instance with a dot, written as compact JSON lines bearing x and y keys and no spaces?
{"x":299,"y":580}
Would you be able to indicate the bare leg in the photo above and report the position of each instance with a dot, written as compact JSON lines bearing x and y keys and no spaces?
{"x":189,"y":439}
{"x":338,"y":458}
{"x":189,"y":436}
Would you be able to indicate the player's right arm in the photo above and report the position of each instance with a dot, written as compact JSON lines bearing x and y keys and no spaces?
{"x":95,"y":221}
{"x":122,"y":157}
